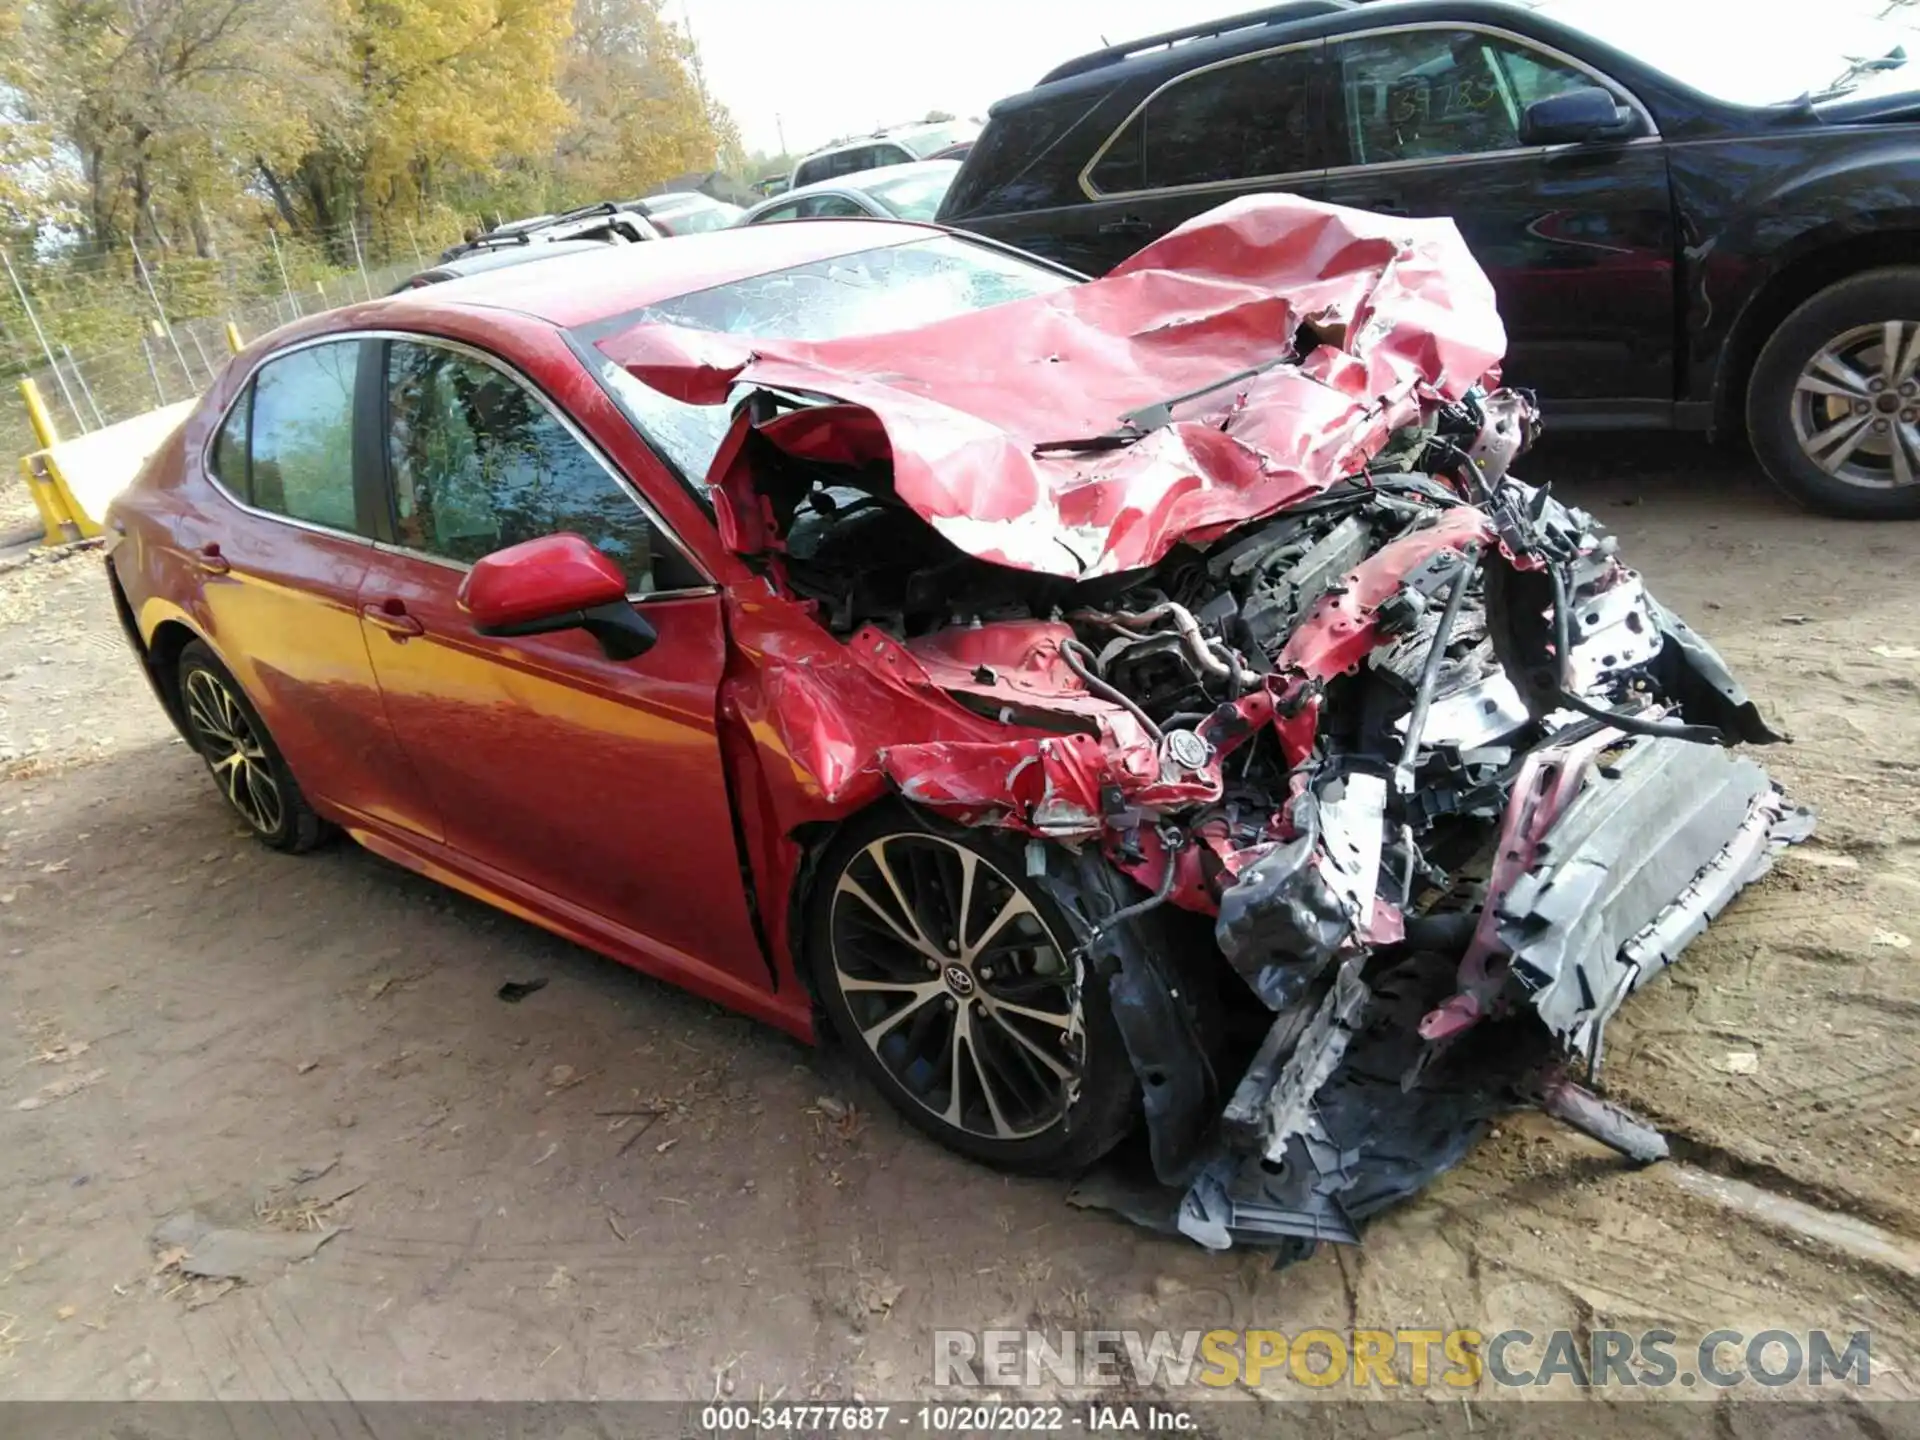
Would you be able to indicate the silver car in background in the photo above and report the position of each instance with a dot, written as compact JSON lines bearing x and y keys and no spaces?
{"x":892,"y":192}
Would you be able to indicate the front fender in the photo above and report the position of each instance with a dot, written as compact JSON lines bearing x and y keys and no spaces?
{"x":1758,"y":213}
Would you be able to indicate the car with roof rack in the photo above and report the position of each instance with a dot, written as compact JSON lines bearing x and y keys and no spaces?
{"x":1679,"y":240}
{"x":605,"y":221}
{"x":898,"y":145}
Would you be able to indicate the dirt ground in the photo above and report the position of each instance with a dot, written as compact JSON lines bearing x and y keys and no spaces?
{"x":612,"y":1190}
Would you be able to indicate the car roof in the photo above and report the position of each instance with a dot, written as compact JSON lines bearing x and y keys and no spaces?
{"x":1177,"y":51}
{"x":676,"y":200}
{"x":867,"y":179}
{"x":499,"y":257}
{"x":621,"y":278}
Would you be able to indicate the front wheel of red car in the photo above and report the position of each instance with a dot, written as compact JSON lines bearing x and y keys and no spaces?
{"x":241,"y":755}
{"x":951,"y":977}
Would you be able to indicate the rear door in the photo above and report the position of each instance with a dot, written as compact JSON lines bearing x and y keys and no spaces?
{"x":1236,"y":127}
{"x":575,"y":779}
{"x":1577,"y":239}
{"x":283,"y":566}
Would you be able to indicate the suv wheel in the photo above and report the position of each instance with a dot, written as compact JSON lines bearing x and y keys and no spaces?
{"x":1834,"y":403}
{"x":953,"y":980}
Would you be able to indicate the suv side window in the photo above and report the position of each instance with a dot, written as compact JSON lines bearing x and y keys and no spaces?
{"x":1243,"y":120}
{"x":479,"y":463}
{"x":300,"y":455}
{"x":1429,"y":94}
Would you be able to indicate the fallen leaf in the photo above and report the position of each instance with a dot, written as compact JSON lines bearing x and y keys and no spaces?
{"x":60,"y":1089}
{"x":1740,"y":1062}
{"x":1896,"y":652}
{"x":1891,"y":939}
{"x":66,"y":1312}
{"x":559,"y":1075}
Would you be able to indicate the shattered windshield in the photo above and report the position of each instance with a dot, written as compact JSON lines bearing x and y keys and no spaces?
{"x":869,"y":292}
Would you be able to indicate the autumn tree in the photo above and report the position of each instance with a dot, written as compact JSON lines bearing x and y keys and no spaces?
{"x":176,"y":122}
{"x":430,"y":88}
{"x":640,"y":114}
{"x":161,"y":104}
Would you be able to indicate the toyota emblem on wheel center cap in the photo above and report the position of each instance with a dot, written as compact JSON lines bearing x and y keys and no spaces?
{"x":959,"y":980}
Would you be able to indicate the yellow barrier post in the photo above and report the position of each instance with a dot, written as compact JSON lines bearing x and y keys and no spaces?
{"x":234,"y":342}
{"x":38,"y":415}
{"x":49,"y":498}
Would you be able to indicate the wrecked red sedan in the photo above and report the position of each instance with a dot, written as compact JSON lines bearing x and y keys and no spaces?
{"x":1148,"y":700}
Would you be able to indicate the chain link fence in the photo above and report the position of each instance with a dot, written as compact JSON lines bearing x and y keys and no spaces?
{"x":107,"y":334}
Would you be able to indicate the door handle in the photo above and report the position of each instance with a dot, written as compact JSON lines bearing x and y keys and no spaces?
{"x":392,"y":617}
{"x":1127,"y":225}
{"x":209,"y":559}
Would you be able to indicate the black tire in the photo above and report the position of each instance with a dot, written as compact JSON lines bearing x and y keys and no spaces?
{"x":229,"y":735}
{"x":1779,"y":415}
{"x":847,"y":943}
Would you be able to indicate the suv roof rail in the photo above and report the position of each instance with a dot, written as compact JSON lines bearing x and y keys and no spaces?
{"x":1206,"y":30}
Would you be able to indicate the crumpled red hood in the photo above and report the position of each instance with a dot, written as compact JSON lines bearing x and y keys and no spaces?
{"x":1399,"y":317}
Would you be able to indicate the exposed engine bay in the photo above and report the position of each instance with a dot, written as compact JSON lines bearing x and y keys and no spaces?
{"x":1310,"y":670}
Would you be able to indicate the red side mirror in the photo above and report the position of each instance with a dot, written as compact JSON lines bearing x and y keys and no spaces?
{"x":539,"y":580}
{"x":558,"y":582}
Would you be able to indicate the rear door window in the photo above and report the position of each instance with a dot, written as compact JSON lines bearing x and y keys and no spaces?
{"x":1243,"y":120}
{"x":301,"y":451}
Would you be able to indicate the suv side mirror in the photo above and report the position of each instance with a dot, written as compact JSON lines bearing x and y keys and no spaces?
{"x":1575,"y":117}
{"x":557,"y":582}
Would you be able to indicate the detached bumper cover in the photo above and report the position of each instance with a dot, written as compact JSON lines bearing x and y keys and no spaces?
{"x":1649,"y":852}
{"x":1369,"y":1106}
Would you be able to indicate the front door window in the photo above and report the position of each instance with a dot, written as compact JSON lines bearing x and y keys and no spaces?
{"x":480,"y":463}
{"x":1433,"y":94}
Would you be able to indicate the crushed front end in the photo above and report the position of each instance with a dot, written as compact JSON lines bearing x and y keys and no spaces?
{"x":1372,"y":779}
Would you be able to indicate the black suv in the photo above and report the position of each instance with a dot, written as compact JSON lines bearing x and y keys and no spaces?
{"x":1663,"y":259}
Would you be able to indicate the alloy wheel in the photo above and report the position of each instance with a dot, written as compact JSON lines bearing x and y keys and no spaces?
{"x":1856,"y":405}
{"x":958,"y":985}
{"x":233,"y":751}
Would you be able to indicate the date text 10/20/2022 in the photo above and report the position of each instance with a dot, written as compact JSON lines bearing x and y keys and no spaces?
{"x":940,"y":1419}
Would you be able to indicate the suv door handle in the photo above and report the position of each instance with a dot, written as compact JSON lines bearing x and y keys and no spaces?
{"x":209,"y":559}
{"x":392,"y":617}
{"x":1127,"y":225}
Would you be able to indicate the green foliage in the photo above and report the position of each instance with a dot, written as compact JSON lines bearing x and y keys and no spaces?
{"x":192,"y":125}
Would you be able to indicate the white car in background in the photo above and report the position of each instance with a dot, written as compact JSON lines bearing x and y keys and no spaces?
{"x":899,"y":146}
